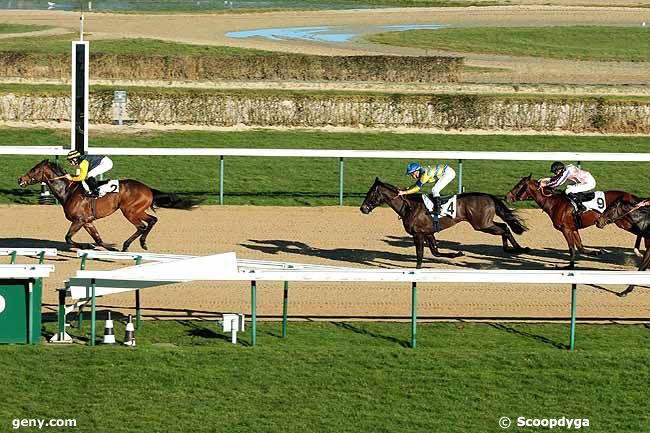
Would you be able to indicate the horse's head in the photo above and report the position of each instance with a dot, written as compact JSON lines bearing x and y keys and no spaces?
{"x":614,"y":211}
{"x":379,"y":193}
{"x":522,"y":191}
{"x":41,"y":172}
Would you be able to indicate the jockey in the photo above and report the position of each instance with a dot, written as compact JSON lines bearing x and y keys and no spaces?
{"x":440,"y":176}
{"x":582,"y":180}
{"x":90,"y":166}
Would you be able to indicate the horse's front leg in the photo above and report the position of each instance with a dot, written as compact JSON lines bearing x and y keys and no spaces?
{"x":570,"y":240}
{"x":419,"y":249}
{"x":637,"y":244}
{"x":645,"y":264}
{"x":92,"y":231}
{"x":74,"y":228}
{"x":431,"y":241}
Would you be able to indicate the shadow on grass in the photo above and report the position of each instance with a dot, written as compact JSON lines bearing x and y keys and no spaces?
{"x":535,"y":337}
{"x":357,"y":330}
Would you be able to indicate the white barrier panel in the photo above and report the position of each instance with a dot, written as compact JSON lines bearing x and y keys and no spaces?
{"x":152,"y":274}
{"x":49,"y":252}
{"x":25,"y":271}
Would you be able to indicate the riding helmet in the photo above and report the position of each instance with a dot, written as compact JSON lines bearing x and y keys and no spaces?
{"x":556,"y":166}
{"x":412,"y":167}
{"x":73,"y":154}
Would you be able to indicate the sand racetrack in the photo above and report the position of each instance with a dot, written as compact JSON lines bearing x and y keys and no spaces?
{"x":339,"y":236}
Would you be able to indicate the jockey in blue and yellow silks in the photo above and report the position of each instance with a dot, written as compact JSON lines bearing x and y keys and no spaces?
{"x":90,"y":166}
{"x":440,"y":175}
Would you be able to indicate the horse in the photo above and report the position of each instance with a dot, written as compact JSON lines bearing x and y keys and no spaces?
{"x":559,"y":208}
{"x":133,"y":199}
{"x":638,"y":217}
{"x":476,"y":208}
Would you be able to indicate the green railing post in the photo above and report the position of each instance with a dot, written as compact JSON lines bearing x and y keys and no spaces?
{"x":341,"y":181}
{"x":93,"y":312}
{"x":254,"y":312}
{"x":61,"y":315}
{"x":138,"y":260}
{"x":460,"y":176}
{"x":413,"y":313}
{"x":573,"y":316}
{"x":285,"y":308}
{"x":13,"y":257}
{"x":221,"y":165}
{"x":80,"y":319}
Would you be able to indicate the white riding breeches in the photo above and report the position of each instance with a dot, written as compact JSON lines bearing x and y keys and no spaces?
{"x":444,"y":180}
{"x":104,"y":165}
{"x":582,"y":187}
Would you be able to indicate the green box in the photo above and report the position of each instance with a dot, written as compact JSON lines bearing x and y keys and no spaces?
{"x":20,"y":310}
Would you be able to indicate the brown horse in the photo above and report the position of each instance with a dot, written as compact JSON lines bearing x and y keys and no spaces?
{"x":561,"y":211}
{"x":638,"y":218}
{"x":133,"y":199}
{"x":477,"y":208}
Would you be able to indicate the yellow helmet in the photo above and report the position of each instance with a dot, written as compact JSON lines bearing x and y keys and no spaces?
{"x":73,"y":154}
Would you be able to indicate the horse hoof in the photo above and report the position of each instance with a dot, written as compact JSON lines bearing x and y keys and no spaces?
{"x":144,"y":247}
{"x":621,"y":295}
{"x":459,"y":254}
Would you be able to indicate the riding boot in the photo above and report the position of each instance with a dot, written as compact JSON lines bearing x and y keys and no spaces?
{"x":92,"y":186}
{"x":437,"y":205}
{"x":577,"y":203}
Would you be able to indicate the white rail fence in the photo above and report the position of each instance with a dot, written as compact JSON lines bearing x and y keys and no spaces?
{"x":169,"y":269}
{"x":341,"y":155}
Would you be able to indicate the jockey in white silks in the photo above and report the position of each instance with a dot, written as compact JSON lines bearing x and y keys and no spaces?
{"x":582,"y":180}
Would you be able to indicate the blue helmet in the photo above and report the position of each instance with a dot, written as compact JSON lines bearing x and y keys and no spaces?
{"x":413,"y":167}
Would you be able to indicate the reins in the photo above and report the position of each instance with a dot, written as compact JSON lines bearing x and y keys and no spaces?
{"x":637,"y":206}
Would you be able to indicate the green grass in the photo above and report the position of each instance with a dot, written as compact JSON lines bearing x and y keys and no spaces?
{"x":6,"y":28}
{"x":60,"y":44}
{"x":335,"y":377}
{"x":576,"y":43}
{"x":314,"y":181}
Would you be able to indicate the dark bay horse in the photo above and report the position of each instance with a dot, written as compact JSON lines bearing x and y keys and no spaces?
{"x":478,"y":209}
{"x":638,"y":217}
{"x":133,"y":199}
{"x":558,"y":207}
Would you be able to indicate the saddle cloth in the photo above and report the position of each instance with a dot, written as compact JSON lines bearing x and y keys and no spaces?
{"x":108,"y":186}
{"x":597,"y":203}
{"x":448,"y":207}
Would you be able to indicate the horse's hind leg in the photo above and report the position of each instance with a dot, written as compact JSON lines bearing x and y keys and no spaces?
{"x":92,"y":231}
{"x":501,"y":229}
{"x":140,"y":225}
{"x":151,"y":221}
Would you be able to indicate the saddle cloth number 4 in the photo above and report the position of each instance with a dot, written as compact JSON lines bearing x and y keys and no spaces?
{"x":448,"y":208}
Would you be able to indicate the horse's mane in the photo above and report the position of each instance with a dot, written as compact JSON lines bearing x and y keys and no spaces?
{"x":54,"y":166}
{"x":410,"y":197}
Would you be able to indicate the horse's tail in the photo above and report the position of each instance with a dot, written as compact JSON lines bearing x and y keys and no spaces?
{"x":514,"y":221}
{"x":172,"y":201}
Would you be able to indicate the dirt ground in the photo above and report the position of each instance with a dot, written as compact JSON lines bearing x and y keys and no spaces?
{"x":339,"y":236}
{"x":210,"y":29}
